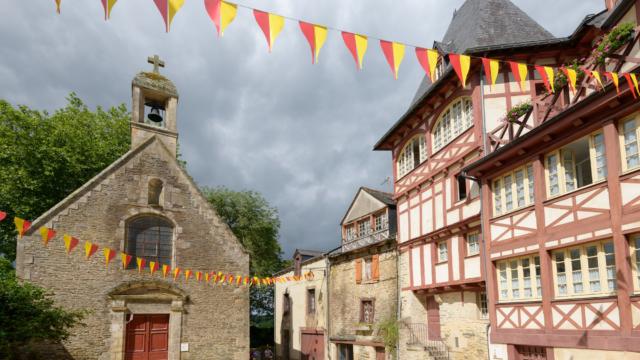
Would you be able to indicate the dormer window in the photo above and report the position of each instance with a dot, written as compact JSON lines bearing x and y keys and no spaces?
{"x":350,"y":233}
{"x":457,"y":118}
{"x":412,"y":155}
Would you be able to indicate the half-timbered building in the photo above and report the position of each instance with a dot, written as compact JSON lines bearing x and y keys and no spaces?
{"x":560,"y":185}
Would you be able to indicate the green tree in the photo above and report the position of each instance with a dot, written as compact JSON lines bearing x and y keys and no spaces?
{"x":46,"y":156}
{"x":256,"y":224}
{"x":28,"y":314}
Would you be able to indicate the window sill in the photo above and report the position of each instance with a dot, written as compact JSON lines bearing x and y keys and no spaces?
{"x":440,"y":262}
{"x":571,"y":193}
{"x":472,"y":255}
{"x":568,"y":298}
{"x":518,"y":301}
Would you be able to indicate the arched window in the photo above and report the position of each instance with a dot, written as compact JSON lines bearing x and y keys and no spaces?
{"x":412,"y":155}
{"x":154,"y":191}
{"x":457,"y":118}
{"x":151,"y":238}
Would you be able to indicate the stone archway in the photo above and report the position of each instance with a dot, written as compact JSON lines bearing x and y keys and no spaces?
{"x":145,"y":297}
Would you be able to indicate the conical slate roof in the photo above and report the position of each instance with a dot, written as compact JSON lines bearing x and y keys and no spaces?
{"x":486,"y":23}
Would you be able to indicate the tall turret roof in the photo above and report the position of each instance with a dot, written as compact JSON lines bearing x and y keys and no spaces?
{"x":486,"y":23}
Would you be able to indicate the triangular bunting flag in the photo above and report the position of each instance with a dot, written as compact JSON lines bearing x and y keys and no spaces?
{"x":428,"y":59}
{"x":634,"y":79}
{"x":630,"y":83}
{"x":89,"y":249}
{"x":141,"y":263}
{"x":46,"y":234}
{"x":461,"y":65}
{"x":187,"y":274}
{"x":222,"y":13}
{"x":357,"y":45}
{"x":596,"y":75}
{"x":58,"y":6}
{"x":316,"y":36}
{"x":165,"y":270}
{"x":491,"y":69}
{"x":70,"y":243}
{"x":394,"y":53}
{"x":198,"y":275}
{"x":271,"y":25}
{"x":548,"y":77}
{"x":572,"y":78}
{"x":238,"y":279}
{"x":207,"y":277}
{"x":109,"y":254}
{"x":22,"y":226}
{"x":126,"y":259}
{"x":230,"y":278}
{"x":176,"y":273}
{"x":168,"y":9}
{"x":153,"y":266}
{"x":107,"y":5}
{"x":3,"y":215}
{"x":614,"y":78}
{"x":519,"y":72}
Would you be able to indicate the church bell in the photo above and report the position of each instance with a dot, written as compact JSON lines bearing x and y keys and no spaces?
{"x":154,"y":115}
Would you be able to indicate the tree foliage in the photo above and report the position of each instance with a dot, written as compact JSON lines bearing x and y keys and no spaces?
{"x":28,"y":314}
{"x":46,"y":156}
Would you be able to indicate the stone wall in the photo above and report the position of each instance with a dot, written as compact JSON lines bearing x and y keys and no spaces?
{"x":214,"y":319}
{"x":345,"y":296}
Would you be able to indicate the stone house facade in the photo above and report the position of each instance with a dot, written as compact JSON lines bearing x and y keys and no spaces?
{"x":144,"y":204}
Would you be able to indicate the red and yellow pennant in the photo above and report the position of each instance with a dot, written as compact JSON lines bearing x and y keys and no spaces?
{"x":595,"y":75}
{"x":491,"y":70}
{"x":222,"y":13}
{"x":428,"y":59}
{"x":3,"y":215}
{"x":614,"y":79}
{"x":47,"y":234}
{"x":141,"y":263}
{"x":394,"y":53}
{"x":168,"y":9}
{"x":70,"y":243}
{"x":153,"y":266}
{"x":176,"y":273}
{"x":22,"y":226}
{"x":634,"y":80}
{"x":519,"y":72}
{"x":58,"y":6}
{"x":633,"y":86}
{"x":89,"y":249}
{"x":238,"y":279}
{"x":572,"y":77}
{"x":126,"y":259}
{"x":109,"y":254}
{"x":316,"y":35}
{"x":198,"y":275}
{"x":548,"y":77}
{"x":187,"y":274}
{"x":107,"y":5}
{"x":271,"y":25}
{"x":207,"y":277}
{"x":165,"y":270}
{"x":461,"y":65}
{"x":357,"y":45}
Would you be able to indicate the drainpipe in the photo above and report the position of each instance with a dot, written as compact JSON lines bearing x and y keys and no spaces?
{"x":399,"y":298}
{"x":327,"y":304}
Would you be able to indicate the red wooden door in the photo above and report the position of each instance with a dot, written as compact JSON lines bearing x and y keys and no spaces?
{"x":380,"y":355}
{"x":433,"y":319}
{"x":147,"y":338}
{"x":312,"y":346}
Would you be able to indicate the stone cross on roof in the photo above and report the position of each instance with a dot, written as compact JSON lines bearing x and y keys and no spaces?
{"x":157,"y":63}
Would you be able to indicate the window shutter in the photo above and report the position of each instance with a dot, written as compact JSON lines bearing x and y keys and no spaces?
{"x":358,"y":271}
{"x":375,"y":267}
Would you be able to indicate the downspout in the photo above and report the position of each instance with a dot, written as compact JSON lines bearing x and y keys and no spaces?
{"x":327,"y":277}
{"x":399,"y":297}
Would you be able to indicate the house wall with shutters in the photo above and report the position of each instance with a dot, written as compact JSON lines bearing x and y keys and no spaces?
{"x":347,"y":288}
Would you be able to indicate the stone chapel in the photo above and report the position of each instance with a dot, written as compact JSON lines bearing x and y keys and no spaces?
{"x":146,"y":205}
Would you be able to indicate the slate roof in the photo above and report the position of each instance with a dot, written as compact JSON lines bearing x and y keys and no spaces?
{"x":385,"y":197}
{"x":486,"y":23}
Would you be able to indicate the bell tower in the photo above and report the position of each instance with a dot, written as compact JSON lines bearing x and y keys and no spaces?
{"x":154,"y":107}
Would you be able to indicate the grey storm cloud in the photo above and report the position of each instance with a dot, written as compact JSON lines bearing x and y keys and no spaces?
{"x":300,"y":134}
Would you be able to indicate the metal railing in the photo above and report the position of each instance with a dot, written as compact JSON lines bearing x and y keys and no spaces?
{"x":366,"y":239}
{"x":419,"y":336}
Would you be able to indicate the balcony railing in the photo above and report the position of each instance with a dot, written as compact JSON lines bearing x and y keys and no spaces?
{"x":371,"y":237}
{"x":419,"y":336}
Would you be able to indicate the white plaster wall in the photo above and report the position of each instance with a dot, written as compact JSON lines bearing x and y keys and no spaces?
{"x":416,"y":265}
{"x":442,"y":272}
{"x":455,"y":258}
{"x":428,"y":276}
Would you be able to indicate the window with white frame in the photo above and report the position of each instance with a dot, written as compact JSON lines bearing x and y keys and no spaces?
{"x":578,"y":164}
{"x":519,"y":279}
{"x":381,"y":221}
{"x":364,"y":227}
{"x":443,"y":252}
{"x":585,"y":270}
{"x":473,"y":243}
{"x":483,"y":305}
{"x":366,"y":269}
{"x":412,"y":155}
{"x":513,"y":190}
{"x":635,"y":260}
{"x":629,"y":131}
{"x":457,"y":118}
{"x":351,"y":232}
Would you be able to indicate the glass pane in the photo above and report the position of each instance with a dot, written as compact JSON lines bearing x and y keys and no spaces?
{"x":520,"y":187}
{"x":552,"y":164}
{"x":497,"y":198}
{"x":503,"y":280}
{"x":601,"y":164}
{"x":515,"y":281}
{"x":561,"y":275}
{"x":576,"y":271}
{"x":150,"y":237}
{"x":631,"y":144}
{"x":536,"y":262}
{"x":569,"y":170}
{"x":530,"y":182}
{"x":594,"y":271}
{"x":508,"y":197}
{"x":611,"y":265}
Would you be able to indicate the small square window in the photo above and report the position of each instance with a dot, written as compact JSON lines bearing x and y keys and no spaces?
{"x":366,"y":311}
{"x":482,"y":305}
{"x":311,"y":301}
{"x":462,"y":187}
{"x":473,"y":243}
{"x":443,"y":252}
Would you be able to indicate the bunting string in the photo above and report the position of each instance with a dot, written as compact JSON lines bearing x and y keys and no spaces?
{"x":142,"y":264}
{"x":223,"y":13}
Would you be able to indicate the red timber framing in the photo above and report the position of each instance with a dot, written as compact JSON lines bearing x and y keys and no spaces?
{"x":596,"y":212}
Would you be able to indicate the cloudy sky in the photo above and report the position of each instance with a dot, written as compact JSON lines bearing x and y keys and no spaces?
{"x":300,"y":134}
